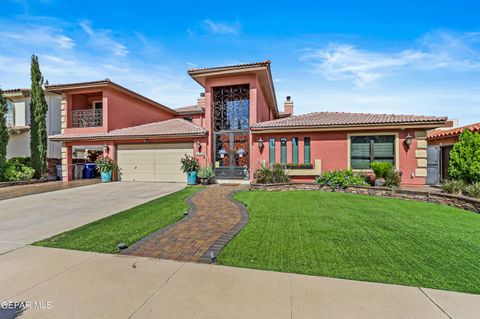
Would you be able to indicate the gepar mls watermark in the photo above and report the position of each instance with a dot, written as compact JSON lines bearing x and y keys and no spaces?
{"x":26,"y":304}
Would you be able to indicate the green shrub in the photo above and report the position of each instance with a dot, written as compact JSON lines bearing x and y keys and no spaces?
{"x":453,"y":186}
{"x":386,"y":171}
{"x":472,"y":190}
{"x":27,"y":161}
{"x":189,"y":164}
{"x":206,"y":172}
{"x":270,"y":175}
{"x":18,"y":172}
{"x":465,"y":158}
{"x":105,"y":164}
{"x":393,"y":178}
{"x":381,"y":169}
{"x":340,"y":179}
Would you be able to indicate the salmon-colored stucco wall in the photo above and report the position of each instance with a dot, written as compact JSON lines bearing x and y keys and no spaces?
{"x":264,"y":113}
{"x":331,"y":147}
{"x":125,"y":111}
{"x":119,"y":110}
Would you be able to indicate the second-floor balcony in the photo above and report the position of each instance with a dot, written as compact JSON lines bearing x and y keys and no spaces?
{"x":87,"y":118}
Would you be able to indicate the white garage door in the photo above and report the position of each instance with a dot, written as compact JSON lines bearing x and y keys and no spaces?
{"x":152,"y":162}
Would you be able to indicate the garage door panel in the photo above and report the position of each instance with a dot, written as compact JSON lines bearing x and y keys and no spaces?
{"x":152,"y":162}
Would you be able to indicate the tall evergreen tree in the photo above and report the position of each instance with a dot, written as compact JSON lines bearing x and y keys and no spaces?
{"x":3,"y":136}
{"x":38,"y":124}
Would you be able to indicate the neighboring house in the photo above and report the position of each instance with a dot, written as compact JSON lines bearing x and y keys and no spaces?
{"x":440,"y":143}
{"x":235,"y":126}
{"x":18,"y":121}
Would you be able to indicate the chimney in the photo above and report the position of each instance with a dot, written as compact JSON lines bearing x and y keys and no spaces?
{"x":288,"y":106}
{"x":201,"y":101}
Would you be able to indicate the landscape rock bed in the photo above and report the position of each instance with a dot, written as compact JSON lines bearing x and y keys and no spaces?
{"x":459,"y":201}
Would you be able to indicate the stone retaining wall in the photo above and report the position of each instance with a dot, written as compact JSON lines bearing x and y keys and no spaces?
{"x":459,"y":201}
{"x":24,"y":182}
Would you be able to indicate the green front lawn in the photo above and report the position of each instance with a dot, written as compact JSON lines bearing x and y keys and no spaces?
{"x":359,"y":237}
{"x":128,"y":226}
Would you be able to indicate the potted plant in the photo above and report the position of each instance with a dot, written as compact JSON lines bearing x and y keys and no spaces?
{"x":190,"y":166}
{"x":105,"y":166}
{"x":206,"y":175}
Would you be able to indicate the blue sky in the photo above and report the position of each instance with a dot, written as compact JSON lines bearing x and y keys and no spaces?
{"x":405,"y":57}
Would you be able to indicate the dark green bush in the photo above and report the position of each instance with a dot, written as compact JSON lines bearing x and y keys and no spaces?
{"x":381,"y":169}
{"x":271,"y":174}
{"x":465,"y":158}
{"x":340,"y":179}
{"x":393,"y":178}
{"x":386,"y":171}
{"x":27,"y":161}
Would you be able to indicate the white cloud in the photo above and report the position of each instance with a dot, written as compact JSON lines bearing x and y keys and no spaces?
{"x":440,"y":50}
{"x":102,"y":39}
{"x":221,"y":28}
{"x":38,"y":35}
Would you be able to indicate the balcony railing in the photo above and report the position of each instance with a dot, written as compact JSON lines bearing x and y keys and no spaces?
{"x":87,"y":118}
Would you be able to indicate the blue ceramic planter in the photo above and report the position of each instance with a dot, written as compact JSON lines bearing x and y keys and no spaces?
{"x":106,"y":177}
{"x":191,"y":178}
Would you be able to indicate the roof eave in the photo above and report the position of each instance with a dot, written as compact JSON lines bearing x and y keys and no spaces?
{"x":62,"y":88}
{"x":348,"y":127}
{"x":191,"y":112}
{"x":124,"y":137}
{"x":200,"y":75}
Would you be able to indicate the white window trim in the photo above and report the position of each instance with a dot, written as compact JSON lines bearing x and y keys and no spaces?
{"x":397,"y":148}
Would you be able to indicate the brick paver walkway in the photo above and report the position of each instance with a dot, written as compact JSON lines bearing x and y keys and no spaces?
{"x":214,"y":220}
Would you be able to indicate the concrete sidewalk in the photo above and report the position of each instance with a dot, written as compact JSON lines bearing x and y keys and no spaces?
{"x":89,"y":285}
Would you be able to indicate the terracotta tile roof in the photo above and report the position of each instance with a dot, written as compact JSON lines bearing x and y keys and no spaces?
{"x":336,"y":119}
{"x":190,"y":109}
{"x":16,"y":91}
{"x":229,"y":67}
{"x":443,"y":133}
{"x":168,"y":128}
{"x":106,"y":82}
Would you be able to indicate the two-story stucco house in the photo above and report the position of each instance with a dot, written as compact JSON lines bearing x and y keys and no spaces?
{"x":235,"y":126}
{"x":18,"y":121}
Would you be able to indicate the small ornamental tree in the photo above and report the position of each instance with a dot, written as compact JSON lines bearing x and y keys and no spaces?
{"x":3,"y":136}
{"x":465,"y":158}
{"x":38,"y":125}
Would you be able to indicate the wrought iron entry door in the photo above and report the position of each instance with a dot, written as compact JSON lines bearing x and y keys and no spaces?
{"x":231,"y":155}
{"x":231,"y":124}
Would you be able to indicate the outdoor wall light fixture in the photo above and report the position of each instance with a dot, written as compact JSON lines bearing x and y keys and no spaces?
{"x":408,"y":141}
{"x":240,"y":152}
{"x":199,"y":146}
{"x":260,"y":144}
{"x":105,"y":149}
{"x":222,"y":153}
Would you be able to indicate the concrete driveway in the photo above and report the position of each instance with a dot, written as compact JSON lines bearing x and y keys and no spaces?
{"x":27,"y":219}
{"x":73,"y":284}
